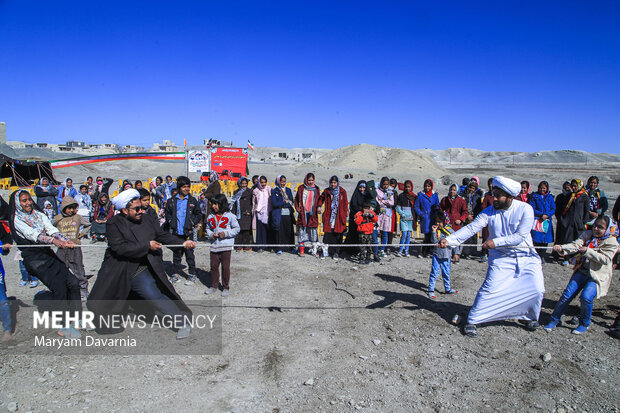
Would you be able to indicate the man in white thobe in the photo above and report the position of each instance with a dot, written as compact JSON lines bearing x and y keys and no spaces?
{"x":514,"y":284}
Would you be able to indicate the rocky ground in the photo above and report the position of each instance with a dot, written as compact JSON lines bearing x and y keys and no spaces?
{"x":303,"y":334}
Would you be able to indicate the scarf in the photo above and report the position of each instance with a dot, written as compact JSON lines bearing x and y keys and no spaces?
{"x":104,"y":208}
{"x":595,"y":196}
{"x":32,"y":219}
{"x":48,"y":212}
{"x":236,"y":198}
{"x":593,"y":243}
{"x":574,"y":196}
{"x":335,"y":197}
{"x":357,"y":199}
{"x":309,"y":196}
{"x":45,"y":188}
{"x":455,"y":194}
{"x":429,"y":193}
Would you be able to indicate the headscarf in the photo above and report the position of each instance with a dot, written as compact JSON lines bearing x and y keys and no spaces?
{"x":524,"y":197}
{"x":406,"y":199}
{"x":282,"y":189}
{"x":455,"y":194}
{"x":430,"y":193}
{"x":104,"y":208}
{"x":594,"y":243}
{"x":335,"y":197}
{"x":309,"y":196}
{"x":47,"y":187}
{"x":594,"y":194}
{"x":65,"y":187}
{"x":580,"y":192}
{"x":236,"y":198}
{"x":48,"y":212}
{"x":475,"y":178}
{"x":32,"y":219}
{"x":357,"y":199}
{"x":213,"y":176}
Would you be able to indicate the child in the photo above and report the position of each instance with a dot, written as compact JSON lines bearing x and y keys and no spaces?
{"x":222,"y":228}
{"x":84,"y":201}
{"x":365,"y":221}
{"x":48,"y":209}
{"x":405,"y":205}
{"x":592,"y":273}
{"x":74,"y":227}
{"x":441,"y":256}
{"x":385,"y":199}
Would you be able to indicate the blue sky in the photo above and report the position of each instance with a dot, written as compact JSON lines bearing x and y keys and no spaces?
{"x":490,"y":75}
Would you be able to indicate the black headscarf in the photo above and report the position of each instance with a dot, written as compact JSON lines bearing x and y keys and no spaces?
{"x":358,"y":199}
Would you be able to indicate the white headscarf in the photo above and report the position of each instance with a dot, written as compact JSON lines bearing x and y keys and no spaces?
{"x":121,"y":200}
{"x":511,"y":187}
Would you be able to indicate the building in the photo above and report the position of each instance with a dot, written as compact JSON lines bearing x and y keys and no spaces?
{"x":218,"y":142}
{"x":75,"y":144}
{"x":133,"y":148}
{"x":2,"y":133}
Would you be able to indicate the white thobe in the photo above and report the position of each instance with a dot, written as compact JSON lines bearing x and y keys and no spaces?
{"x":514,"y":284}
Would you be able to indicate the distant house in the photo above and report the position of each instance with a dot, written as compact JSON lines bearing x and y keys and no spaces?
{"x":133,"y":148}
{"x":74,"y":144}
{"x":218,"y":142}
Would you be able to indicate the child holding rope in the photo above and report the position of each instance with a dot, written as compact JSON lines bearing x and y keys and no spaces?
{"x":441,"y":256}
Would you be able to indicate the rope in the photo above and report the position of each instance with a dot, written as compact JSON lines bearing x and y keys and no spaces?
{"x":307,"y":244}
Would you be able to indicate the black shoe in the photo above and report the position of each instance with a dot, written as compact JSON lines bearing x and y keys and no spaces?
{"x":377,"y":259}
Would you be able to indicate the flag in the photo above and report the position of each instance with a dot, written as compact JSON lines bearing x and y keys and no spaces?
{"x":184,"y":142}
{"x":210,"y":143}
{"x":250,"y":145}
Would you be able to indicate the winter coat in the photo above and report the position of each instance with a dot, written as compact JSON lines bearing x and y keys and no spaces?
{"x":574,"y":221}
{"x":63,"y":191}
{"x":424,"y":206}
{"x":406,"y":210}
{"x":456,"y":209}
{"x":543,"y":205}
{"x":343,"y":210}
{"x":386,"y":204}
{"x":278,"y":204}
{"x":365,"y":225}
{"x":193,"y":216}
{"x":245,"y":215}
{"x":313,"y":221}
{"x":49,"y":195}
{"x":73,"y":227}
{"x":227,"y":223}
{"x":261,"y":201}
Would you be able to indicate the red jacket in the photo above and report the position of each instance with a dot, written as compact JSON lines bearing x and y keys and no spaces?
{"x":313,"y":222}
{"x":456,"y":209}
{"x":366,"y":225}
{"x":343,"y":210}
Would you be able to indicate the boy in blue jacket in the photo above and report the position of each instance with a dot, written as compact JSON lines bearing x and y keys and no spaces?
{"x":441,"y":256}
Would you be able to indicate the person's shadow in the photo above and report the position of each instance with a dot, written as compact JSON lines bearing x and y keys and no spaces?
{"x":445,"y":309}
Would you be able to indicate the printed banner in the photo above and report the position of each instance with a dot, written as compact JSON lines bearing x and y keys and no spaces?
{"x":229,"y":163}
{"x":199,"y":161}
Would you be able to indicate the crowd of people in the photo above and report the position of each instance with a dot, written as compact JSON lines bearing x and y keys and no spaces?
{"x":261,"y":218}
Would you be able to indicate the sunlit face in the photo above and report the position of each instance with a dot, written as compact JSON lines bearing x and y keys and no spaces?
{"x":428,"y":187}
{"x":215,"y":207}
{"x":524,"y":189}
{"x":574,"y":187}
{"x":244,"y":184}
{"x":333,"y":184}
{"x":69,"y":183}
{"x":134,"y":210}
{"x":599,"y":228}
{"x":138,"y":185}
{"x":385,"y":185}
{"x":452,"y":191}
{"x":567,"y":187}
{"x":283,"y":182}
{"x":263,"y":182}
{"x":184,"y":190}
{"x":362,"y":189}
{"x":144,"y":202}
{"x":310,"y":180}
{"x":168,"y":179}
{"x":89,"y":180}
{"x":25,"y":201}
{"x":542,"y":188}
{"x":593,"y":183}
{"x":500,"y":199}
{"x":83,"y":190}
{"x":44,"y":181}
{"x":70,"y":210}
{"x":104,"y":199}
{"x":408,"y":187}
{"x":158,"y":181}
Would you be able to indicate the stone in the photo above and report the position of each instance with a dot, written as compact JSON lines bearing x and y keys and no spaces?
{"x":546,"y":357}
{"x":376,"y":342}
{"x":12,"y":407}
{"x":41,"y":379}
{"x":309,"y":382}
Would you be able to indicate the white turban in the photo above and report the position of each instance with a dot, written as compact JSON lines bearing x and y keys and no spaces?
{"x":511,"y":187}
{"x":121,"y":200}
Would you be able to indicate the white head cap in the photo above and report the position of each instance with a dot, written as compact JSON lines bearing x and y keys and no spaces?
{"x":121,"y":200}
{"x":511,"y":187}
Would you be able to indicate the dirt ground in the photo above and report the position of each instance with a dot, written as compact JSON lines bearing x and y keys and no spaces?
{"x":303,"y":334}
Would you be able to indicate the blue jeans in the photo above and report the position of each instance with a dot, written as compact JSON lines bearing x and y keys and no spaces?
{"x":384,"y":240}
{"x":440,"y":265}
{"x":405,"y":238}
{"x":25,"y":274}
{"x":588,"y":288}
{"x":375,"y":241}
{"x":5,"y":304}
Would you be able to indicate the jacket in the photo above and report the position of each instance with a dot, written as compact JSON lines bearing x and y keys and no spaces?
{"x":543,"y":205}
{"x":192,"y":217}
{"x":423,"y":208}
{"x":456,"y":209}
{"x":49,"y":195}
{"x":366,"y":225}
{"x":226,"y":223}
{"x":73,"y":227}
{"x":261,"y":204}
{"x":436,"y":236}
{"x":325,"y":200}
{"x":278,"y":203}
{"x":313,"y":222}
{"x":601,"y":260}
{"x":386,"y":204}
{"x":63,"y":191}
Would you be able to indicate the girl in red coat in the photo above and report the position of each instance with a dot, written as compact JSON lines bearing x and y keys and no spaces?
{"x":308,"y":210}
{"x":336,"y":209}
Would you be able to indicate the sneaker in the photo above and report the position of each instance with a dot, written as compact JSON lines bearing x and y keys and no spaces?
{"x":565,"y":263}
{"x":451,"y":291}
{"x":580,"y":329}
{"x":550,"y":326}
{"x":377,"y":259}
{"x":406,"y":254}
{"x":225,"y":292}
{"x":23,"y":283}
{"x":191,"y":280}
{"x":484,"y":258}
{"x":335,"y":257}
{"x":381,"y":254}
{"x":321,"y":257}
{"x":431,"y":295}
{"x":279,"y":253}
{"x":184,"y":332}
{"x":210,"y":291}
{"x":33,"y":284}
{"x":175,"y":278}
{"x":470,"y":330}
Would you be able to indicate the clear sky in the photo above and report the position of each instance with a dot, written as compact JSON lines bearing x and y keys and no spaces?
{"x":495,"y":75}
